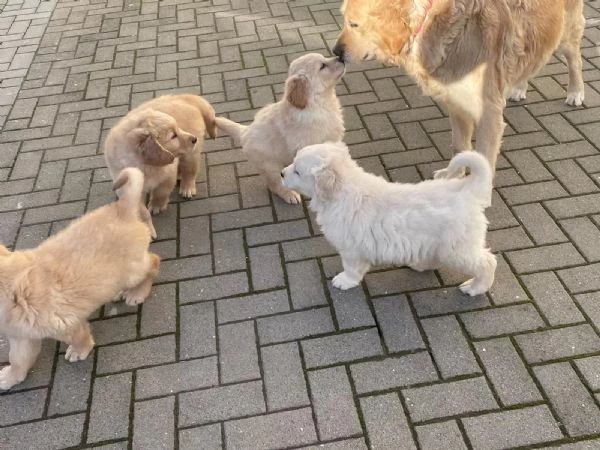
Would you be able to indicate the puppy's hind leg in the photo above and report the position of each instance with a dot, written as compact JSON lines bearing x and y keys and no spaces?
{"x":80,"y":342}
{"x":354,"y":271}
{"x":140,"y":292}
{"x":483,"y":271}
{"x":22,"y":355}
{"x":570,"y":47}
{"x":159,"y":197}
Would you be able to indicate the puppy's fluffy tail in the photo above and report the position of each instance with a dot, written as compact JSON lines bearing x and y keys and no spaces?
{"x":208,"y":114}
{"x":479,"y":181}
{"x":230,"y":127}
{"x":131,"y":183}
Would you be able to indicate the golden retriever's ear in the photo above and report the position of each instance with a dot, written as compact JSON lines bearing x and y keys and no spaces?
{"x":152,"y":152}
{"x":296,"y":88}
{"x":327,"y":182}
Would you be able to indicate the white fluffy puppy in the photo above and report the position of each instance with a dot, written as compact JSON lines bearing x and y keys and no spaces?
{"x":309,"y":113}
{"x":372,"y":221}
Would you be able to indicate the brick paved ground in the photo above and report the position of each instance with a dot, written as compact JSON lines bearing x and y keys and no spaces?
{"x":243,"y":343}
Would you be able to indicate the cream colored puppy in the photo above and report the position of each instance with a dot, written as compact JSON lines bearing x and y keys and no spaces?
{"x":308,"y":113}
{"x":50,"y":291}
{"x":372,"y":221}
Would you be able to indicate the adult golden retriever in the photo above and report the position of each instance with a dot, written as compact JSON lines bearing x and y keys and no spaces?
{"x":470,"y":54}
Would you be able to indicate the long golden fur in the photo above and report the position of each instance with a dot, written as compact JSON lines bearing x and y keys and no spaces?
{"x":471,"y":54}
{"x":164,"y":138}
{"x":50,"y":291}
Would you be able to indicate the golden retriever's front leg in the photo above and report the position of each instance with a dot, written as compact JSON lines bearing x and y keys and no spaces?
{"x":354,"y":271}
{"x":488,"y":135}
{"x":22,"y":355}
{"x":462,"y":132}
{"x":80,"y":342}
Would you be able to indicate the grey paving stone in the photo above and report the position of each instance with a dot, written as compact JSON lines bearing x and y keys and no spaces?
{"x":241,"y":219}
{"x":449,"y":399}
{"x":153,"y":424}
{"x":277,"y":430}
{"x":71,"y":387}
{"x":396,"y":321}
{"x":132,"y":355}
{"x":221,"y":403}
{"x":566,"y":342}
{"x":345,"y":444}
{"x":341,"y":348}
{"x":581,"y":279}
{"x":59,"y":432}
{"x":590,"y":305}
{"x":552,"y":299}
{"x":251,"y":306}
{"x":238,"y":355}
{"x":545,"y":258}
{"x":181,"y":376}
{"x":194,"y":236}
{"x":307,"y":248}
{"x":111,"y":393}
{"x":183,"y":268}
{"x":228,"y":251}
{"x":590,"y":369}
{"x":207,"y":437}
{"x":449,"y":347}
{"x":386,"y":422}
{"x":506,"y":288}
{"x":512,"y":428}
{"x":197,"y":331}
{"x":507,"y":373}
{"x":497,"y":321}
{"x":159,"y":313}
{"x":210,"y":205}
{"x":351,"y":308}
{"x":22,"y":406}
{"x":569,"y":398}
{"x":295,"y":325}
{"x":440,"y":435}
{"x":118,"y":329}
{"x":445,"y":300}
{"x":211,"y":288}
{"x":584,"y":235}
{"x":283,"y":377}
{"x":399,"y":281}
{"x":266,"y":267}
{"x":333,"y":403}
{"x":306,"y":286}
{"x":277,"y":232}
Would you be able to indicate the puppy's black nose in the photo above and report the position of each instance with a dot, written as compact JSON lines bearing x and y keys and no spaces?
{"x":194,"y":139}
{"x":339,"y":50}
{"x":281,"y":174}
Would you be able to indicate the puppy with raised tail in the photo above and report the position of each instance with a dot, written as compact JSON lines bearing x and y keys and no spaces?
{"x":51,"y":290}
{"x":372,"y":221}
{"x":309,"y":113}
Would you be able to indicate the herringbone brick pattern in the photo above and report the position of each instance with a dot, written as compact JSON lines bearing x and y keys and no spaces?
{"x":244,"y":344}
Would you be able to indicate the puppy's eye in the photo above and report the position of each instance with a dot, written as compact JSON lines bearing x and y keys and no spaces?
{"x":353,"y":25}
{"x":323,"y":65}
{"x":174,"y":136}
{"x":296,"y":172}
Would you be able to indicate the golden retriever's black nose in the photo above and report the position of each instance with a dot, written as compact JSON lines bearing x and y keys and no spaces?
{"x":339,"y":50}
{"x":194,"y":139}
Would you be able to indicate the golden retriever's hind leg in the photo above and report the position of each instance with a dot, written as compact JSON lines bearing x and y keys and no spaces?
{"x":159,"y":197}
{"x":276,"y":185}
{"x":570,"y":47}
{"x":188,"y":171}
{"x":139,"y":293}
{"x":22,"y":355}
{"x":518,"y":92}
{"x":80,"y":342}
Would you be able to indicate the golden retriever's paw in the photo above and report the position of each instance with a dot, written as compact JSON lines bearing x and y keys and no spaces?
{"x":471,"y":288}
{"x":72,"y":354}
{"x":291,"y":197}
{"x":8,"y":378}
{"x":575,"y":98}
{"x":187,"y":191}
{"x":517,"y":94}
{"x":343,"y":281}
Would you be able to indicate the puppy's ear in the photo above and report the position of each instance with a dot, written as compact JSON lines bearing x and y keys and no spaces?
{"x":152,"y":152}
{"x":296,"y":88}
{"x":327,"y":182}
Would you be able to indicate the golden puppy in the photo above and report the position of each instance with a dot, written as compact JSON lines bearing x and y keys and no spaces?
{"x":470,"y":54}
{"x":50,"y":291}
{"x":163,"y":137}
{"x":309,"y":113}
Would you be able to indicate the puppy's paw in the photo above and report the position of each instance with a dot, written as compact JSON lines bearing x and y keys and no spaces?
{"x":77,"y":354}
{"x":133,"y":298}
{"x":471,"y":288}
{"x":343,"y":281}
{"x":575,"y":98}
{"x":291,"y":197}
{"x":8,"y":378}
{"x":187,"y":191}
{"x":420,"y":267}
{"x":155,"y":209}
{"x":517,"y":94}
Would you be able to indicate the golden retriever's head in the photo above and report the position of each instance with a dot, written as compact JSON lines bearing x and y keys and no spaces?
{"x":373,"y":29}
{"x":317,"y":169}
{"x":311,"y":75}
{"x":159,"y":139}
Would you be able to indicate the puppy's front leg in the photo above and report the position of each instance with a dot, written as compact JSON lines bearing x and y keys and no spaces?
{"x":80,"y":342}
{"x":22,"y":355}
{"x":354,"y":271}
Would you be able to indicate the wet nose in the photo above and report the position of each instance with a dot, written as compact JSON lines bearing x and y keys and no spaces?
{"x":281,"y":174}
{"x":339,"y":51}
{"x":194,"y":139}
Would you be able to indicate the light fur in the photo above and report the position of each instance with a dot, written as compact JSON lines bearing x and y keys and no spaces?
{"x":162,"y":137}
{"x":308,"y":113}
{"x":51,"y":290}
{"x":470,"y":54}
{"x":370,"y":221}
